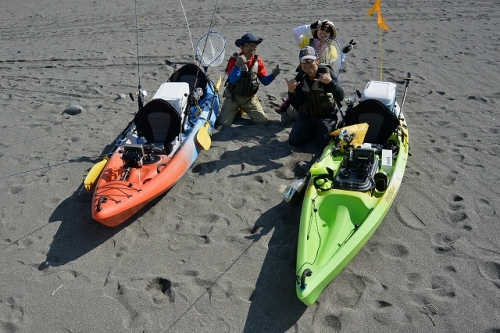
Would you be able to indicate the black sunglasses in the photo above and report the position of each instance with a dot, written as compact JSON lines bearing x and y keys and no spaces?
{"x":307,"y":61}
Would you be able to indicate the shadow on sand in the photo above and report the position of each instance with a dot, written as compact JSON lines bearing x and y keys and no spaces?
{"x":274,"y":304}
{"x":78,"y":233}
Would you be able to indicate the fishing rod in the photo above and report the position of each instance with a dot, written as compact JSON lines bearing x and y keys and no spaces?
{"x":141,"y":93}
{"x":408,"y":79}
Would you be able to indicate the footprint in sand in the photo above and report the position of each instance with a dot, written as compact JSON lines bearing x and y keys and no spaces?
{"x":161,"y":289}
{"x":334,"y":322}
{"x":409,"y":218}
{"x":491,"y":271}
{"x":484,"y":208}
{"x":388,"y":314}
{"x":457,"y":212}
{"x":11,"y":315}
{"x":443,"y":286}
{"x":445,"y":243}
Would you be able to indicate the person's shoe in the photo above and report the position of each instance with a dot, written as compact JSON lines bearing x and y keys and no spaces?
{"x":284,"y":105}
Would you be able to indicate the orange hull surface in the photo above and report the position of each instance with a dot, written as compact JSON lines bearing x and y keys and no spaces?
{"x":116,"y":199}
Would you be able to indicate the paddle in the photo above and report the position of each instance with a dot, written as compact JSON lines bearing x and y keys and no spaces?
{"x":294,"y":193}
{"x":210,"y":52}
{"x":97,"y":168}
{"x":94,"y":173}
{"x":203,"y":137}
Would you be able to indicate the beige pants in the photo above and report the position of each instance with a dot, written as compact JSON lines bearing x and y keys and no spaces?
{"x":250,"y":105}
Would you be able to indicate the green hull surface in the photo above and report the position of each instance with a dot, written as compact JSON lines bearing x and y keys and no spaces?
{"x":336,"y":223}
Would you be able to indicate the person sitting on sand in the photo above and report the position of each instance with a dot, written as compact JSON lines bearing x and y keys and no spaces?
{"x":315,"y":92}
{"x":246,"y":70}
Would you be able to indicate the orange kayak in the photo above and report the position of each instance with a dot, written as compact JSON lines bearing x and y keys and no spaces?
{"x":167,"y":136}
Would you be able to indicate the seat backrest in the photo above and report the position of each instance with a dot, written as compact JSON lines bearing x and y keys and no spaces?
{"x":382,"y":122}
{"x":191,"y":74}
{"x":158,"y":122}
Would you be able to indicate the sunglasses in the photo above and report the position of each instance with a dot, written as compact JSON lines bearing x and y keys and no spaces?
{"x":307,"y":61}
{"x":326,"y":30}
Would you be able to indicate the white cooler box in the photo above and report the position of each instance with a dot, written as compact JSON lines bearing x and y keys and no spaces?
{"x":176,"y":93}
{"x":384,"y":92}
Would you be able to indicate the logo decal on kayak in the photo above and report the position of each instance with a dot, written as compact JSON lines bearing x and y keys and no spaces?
{"x":391,"y":192}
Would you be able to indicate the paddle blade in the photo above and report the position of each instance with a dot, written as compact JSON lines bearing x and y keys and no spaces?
{"x":294,"y":193}
{"x":94,"y":174}
{"x":217,"y":85}
{"x":203,"y":138}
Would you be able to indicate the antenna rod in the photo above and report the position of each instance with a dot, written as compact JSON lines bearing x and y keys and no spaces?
{"x":139,"y":100}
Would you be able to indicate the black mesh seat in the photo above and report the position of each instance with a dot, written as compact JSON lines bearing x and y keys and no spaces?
{"x":382,"y":122}
{"x":191,"y":74}
{"x":159,"y":123}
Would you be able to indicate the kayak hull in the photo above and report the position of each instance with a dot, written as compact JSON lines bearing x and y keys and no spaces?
{"x":335,"y":224}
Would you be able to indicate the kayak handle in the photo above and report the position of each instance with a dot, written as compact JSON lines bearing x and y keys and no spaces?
{"x":307,"y":272}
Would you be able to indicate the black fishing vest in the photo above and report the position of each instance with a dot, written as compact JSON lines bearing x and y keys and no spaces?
{"x":248,"y":83}
{"x":319,"y":103}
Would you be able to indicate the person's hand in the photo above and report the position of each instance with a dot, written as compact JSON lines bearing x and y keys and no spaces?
{"x":240,"y":60}
{"x":325,"y":78}
{"x":276,"y":71}
{"x":315,"y":25}
{"x":292,"y":84}
{"x":349,"y":46}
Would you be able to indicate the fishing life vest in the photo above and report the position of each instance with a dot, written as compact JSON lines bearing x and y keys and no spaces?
{"x":319,"y":103}
{"x":248,"y":83}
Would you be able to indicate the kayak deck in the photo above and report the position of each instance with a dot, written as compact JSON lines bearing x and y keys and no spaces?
{"x":337,"y":222}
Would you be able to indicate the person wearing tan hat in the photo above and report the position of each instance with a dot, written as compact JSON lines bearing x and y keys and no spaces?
{"x":322,"y":32}
{"x":246,"y":71}
{"x":315,"y":92}
{"x":327,"y":47}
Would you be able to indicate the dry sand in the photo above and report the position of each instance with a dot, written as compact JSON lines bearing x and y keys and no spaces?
{"x":217,"y":253}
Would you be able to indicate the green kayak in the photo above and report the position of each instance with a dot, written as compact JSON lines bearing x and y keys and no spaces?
{"x":351,"y":187}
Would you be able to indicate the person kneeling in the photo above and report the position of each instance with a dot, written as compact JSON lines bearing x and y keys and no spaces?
{"x":314,"y":92}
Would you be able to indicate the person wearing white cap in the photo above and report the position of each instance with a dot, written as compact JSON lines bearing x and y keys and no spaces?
{"x":246,"y":71}
{"x":315,"y":92}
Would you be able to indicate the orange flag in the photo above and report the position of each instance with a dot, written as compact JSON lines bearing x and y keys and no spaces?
{"x":380,"y":19}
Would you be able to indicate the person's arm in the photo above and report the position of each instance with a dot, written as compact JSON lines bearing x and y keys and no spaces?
{"x":234,"y":71}
{"x":335,"y":88}
{"x":300,"y":32}
{"x":262,"y":74}
{"x":296,"y":96}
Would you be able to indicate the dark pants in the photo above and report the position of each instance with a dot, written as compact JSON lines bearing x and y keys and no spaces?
{"x":307,"y":128}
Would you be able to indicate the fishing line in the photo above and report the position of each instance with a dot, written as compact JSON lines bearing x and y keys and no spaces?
{"x":189,"y":30}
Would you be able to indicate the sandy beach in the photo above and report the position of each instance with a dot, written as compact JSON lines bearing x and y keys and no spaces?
{"x":217,"y":252}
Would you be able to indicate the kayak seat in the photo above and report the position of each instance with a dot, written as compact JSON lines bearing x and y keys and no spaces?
{"x":382,"y":122}
{"x":191,"y":74}
{"x":159,"y":123}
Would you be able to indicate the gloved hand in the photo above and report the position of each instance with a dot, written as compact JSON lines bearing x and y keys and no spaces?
{"x":349,"y":46}
{"x":276,"y":71}
{"x":315,"y":25}
{"x":240,"y":61}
